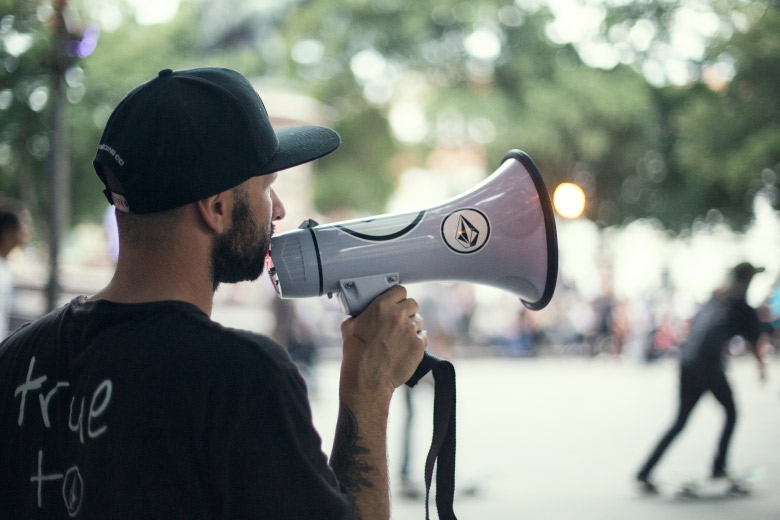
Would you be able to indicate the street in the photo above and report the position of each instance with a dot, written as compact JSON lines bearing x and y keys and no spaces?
{"x":561,"y":438}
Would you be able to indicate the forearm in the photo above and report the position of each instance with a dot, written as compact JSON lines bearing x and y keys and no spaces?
{"x":359,"y":457}
{"x":762,"y":345}
{"x":382,"y":347}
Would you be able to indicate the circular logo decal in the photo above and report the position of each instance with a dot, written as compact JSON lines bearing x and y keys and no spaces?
{"x":73,"y":491}
{"x":465,"y":231}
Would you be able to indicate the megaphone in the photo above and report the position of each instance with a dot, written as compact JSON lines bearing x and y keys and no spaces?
{"x":501,"y":233}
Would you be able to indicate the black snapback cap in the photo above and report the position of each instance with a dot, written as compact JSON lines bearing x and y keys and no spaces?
{"x":190,"y":134}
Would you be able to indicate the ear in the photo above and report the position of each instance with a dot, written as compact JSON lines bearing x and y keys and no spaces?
{"x":213,"y":212}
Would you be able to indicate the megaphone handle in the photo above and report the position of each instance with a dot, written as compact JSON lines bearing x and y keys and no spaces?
{"x":425,"y":366}
{"x":356,"y":293}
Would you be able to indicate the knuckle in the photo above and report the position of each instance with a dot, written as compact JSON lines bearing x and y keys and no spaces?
{"x":398,"y":319}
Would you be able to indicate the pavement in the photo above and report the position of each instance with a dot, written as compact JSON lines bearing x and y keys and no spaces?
{"x":561,"y":438}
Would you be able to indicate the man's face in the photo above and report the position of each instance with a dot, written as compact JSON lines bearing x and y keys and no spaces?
{"x":239,"y":253}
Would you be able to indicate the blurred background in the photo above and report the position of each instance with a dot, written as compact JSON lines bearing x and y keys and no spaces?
{"x":655,"y":125}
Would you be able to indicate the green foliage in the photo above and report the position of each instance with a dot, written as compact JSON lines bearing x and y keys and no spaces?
{"x":667,"y":152}
{"x":24,"y":140}
{"x":591,"y":126}
{"x":725,"y":140}
{"x":364,"y":182}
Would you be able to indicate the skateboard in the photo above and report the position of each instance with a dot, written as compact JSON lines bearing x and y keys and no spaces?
{"x":738,"y":485}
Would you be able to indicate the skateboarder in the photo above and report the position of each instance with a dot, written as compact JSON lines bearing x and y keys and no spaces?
{"x":702,"y":364}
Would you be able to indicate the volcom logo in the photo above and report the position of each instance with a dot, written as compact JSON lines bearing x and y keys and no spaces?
{"x":465,"y":231}
{"x":467,"y":235}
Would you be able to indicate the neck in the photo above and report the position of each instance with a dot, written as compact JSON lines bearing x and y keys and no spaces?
{"x":179,"y":270}
{"x":157,"y":282}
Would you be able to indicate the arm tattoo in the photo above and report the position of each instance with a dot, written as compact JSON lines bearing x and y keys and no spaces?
{"x":345,"y":459}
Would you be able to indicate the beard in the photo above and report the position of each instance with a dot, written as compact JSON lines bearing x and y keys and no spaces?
{"x":239,"y":254}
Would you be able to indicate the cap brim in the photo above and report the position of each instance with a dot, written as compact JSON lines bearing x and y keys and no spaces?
{"x":299,"y":145}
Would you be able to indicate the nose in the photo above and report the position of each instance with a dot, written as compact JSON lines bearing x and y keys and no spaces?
{"x":278,"y":212}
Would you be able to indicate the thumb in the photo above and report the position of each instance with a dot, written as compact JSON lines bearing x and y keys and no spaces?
{"x":347,"y":327}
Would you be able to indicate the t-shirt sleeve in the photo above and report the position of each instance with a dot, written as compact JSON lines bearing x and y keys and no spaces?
{"x":275,"y":464}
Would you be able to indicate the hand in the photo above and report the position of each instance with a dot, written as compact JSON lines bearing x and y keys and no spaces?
{"x":383,"y":345}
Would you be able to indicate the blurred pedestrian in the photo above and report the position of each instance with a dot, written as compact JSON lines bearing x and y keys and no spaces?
{"x":14,"y":231}
{"x":409,"y":488}
{"x":703,"y":364}
{"x":293,"y":333}
{"x":601,"y":338}
{"x":772,"y":309}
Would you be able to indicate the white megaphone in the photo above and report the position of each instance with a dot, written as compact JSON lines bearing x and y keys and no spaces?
{"x":501,"y":233}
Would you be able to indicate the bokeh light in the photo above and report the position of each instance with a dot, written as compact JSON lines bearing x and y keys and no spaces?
{"x":569,"y":200}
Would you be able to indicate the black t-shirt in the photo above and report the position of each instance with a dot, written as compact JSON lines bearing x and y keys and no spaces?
{"x":152,"y":410}
{"x":715,"y":324}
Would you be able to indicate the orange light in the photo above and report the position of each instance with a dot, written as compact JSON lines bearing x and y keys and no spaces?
{"x":569,"y":200}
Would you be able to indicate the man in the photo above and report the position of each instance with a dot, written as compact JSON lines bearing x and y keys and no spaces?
{"x":132,"y":403}
{"x":702,"y":365}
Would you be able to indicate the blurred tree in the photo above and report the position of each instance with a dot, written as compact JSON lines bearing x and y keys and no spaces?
{"x":629,"y":135}
{"x":123,"y":57}
{"x":483,"y":74}
{"x":403,"y":78}
{"x":721,"y":128}
{"x":728,"y":135}
{"x":24,"y":94}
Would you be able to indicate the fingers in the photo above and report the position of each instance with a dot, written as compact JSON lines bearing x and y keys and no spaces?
{"x":390,"y":311}
{"x":397,"y":295}
{"x":390,"y":338}
{"x":417,"y":321}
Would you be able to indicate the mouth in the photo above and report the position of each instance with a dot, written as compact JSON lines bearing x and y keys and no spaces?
{"x":271,"y":270}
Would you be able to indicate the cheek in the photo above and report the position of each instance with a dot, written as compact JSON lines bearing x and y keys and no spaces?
{"x":262,"y":201}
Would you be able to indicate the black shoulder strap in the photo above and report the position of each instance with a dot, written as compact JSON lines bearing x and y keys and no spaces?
{"x":442,"y":452}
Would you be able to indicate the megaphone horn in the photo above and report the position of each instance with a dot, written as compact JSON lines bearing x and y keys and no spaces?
{"x":501,"y":233}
